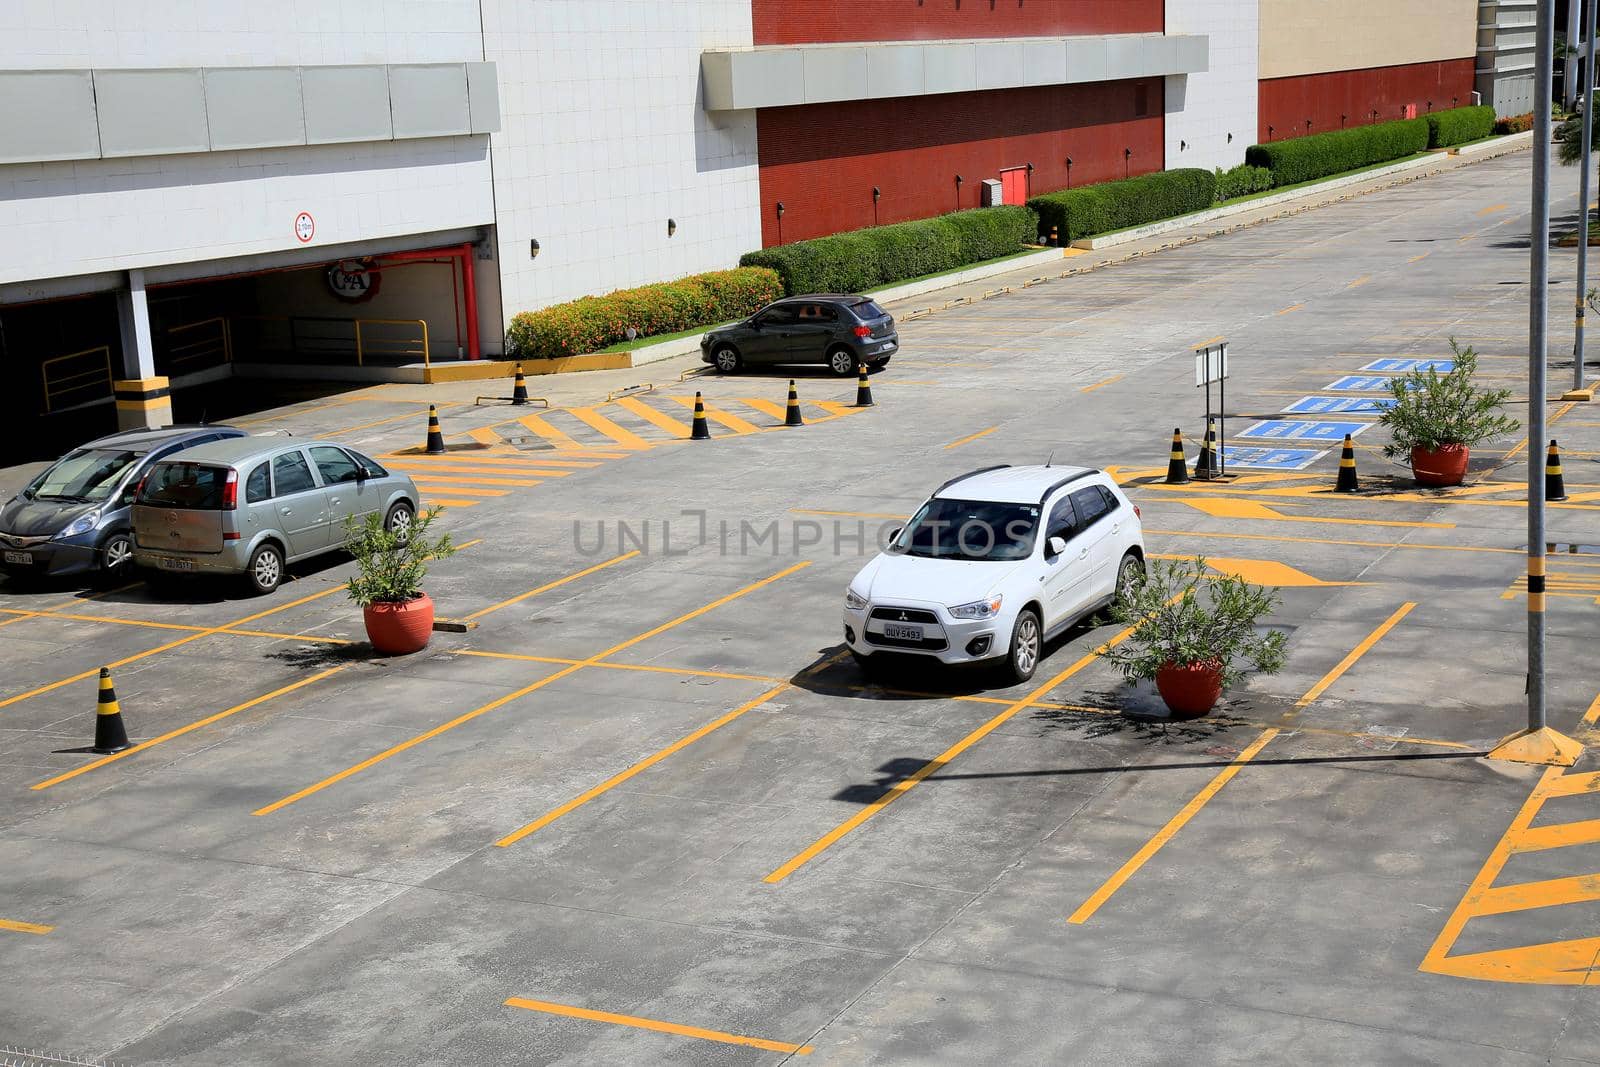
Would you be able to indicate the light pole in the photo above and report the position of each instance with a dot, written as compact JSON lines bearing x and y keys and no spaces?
{"x":1579,"y":346}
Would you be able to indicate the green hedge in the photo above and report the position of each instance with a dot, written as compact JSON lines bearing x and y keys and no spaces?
{"x":881,"y":255}
{"x":1302,"y":159}
{"x":1242,"y":181}
{"x":1094,"y":209}
{"x":591,"y":323}
{"x":1459,"y":125}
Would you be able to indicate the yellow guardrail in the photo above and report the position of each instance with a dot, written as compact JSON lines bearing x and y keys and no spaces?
{"x":411,"y":344}
{"x":208,"y":339}
{"x":87,"y":379}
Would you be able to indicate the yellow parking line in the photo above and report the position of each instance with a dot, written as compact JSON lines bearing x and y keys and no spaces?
{"x":180,"y":731}
{"x":1097,"y":385}
{"x":105,"y":619}
{"x":452,"y":470}
{"x":657,"y":1025}
{"x":904,"y":785}
{"x":651,"y":415}
{"x":653,"y":668}
{"x":544,"y":429}
{"x":1167,"y":832}
{"x":450,"y":478}
{"x":638,"y":768}
{"x":622,"y":436}
{"x":24,"y":928}
{"x":972,"y":437}
{"x":431,"y":484}
{"x":1345,"y":664}
{"x":1332,"y":541}
{"x":428,"y":735}
{"x":452,"y":503}
{"x":1291,"y":307}
{"x":766,"y":407}
{"x":716,"y":414}
{"x":1363,"y":280}
{"x":551,"y":585}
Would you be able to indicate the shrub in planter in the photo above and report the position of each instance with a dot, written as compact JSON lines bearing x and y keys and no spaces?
{"x":1302,"y":159}
{"x":593,"y":322}
{"x":1459,"y":125}
{"x":1242,"y":181}
{"x":1195,"y":633}
{"x":1436,"y":418}
{"x":1514,"y":123}
{"x":390,"y":566}
{"x":1095,"y":209}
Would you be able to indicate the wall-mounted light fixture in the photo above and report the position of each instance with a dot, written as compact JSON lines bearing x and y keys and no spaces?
{"x":533,"y":248}
{"x":1270,"y":129}
{"x":1454,"y":100}
{"x":1230,"y":138}
{"x":876,"y":192}
{"x":959,"y":180}
{"x":1069,"y":172}
{"x":1183,"y":146}
{"x":780,"y":209}
{"x":1430,"y":105}
{"x":672,"y":227}
{"x":1030,"y":168}
{"x":1341,"y":120}
{"x":1308,"y":125}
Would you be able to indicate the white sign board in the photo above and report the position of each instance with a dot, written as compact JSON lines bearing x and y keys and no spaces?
{"x":1210,"y":364}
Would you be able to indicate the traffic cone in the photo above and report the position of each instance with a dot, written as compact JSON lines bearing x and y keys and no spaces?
{"x":791,"y":414}
{"x":109,"y":733}
{"x":1177,"y":470}
{"x":1346,"y":482}
{"x":435,"y":435}
{"x":1206,"y":465}
{"x":864,"y":390}
{"x":519,"y":389}
{"x":1555,"y":486}
{"x":699,"y":431}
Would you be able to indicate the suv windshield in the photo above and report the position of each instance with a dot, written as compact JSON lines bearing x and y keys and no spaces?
{"x":971,"y":530}
{"x":87,"y":475}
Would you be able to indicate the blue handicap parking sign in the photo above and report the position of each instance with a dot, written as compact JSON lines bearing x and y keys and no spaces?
{"x":1362,"y":383}
{"x":1341,"y":405}
{"x":1401,"y":366}
{"x":1304,"y":430}
{"x":1279,"y":459}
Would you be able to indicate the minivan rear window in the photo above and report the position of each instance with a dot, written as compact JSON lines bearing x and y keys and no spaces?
{"x":868,"y":309}
{"x":195,"y":486}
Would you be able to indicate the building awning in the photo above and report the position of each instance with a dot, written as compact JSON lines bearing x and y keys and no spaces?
{"x":779,"y":76}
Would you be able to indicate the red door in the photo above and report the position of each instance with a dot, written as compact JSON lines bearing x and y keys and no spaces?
{"x":1014,"y":185}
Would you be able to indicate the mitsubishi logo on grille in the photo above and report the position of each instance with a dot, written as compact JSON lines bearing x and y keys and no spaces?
{"x":904,"y":617}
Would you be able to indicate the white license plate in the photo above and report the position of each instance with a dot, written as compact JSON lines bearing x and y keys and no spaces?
{"x":889,"y":347}
{"x":175,"y":564}
{"x":19,"y":557}
{"x":903,"y":633}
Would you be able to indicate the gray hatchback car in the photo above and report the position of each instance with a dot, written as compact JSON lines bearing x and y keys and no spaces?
{"x":254,"y":505}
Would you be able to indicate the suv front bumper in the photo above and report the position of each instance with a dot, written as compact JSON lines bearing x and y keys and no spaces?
{"x":945,"y":638}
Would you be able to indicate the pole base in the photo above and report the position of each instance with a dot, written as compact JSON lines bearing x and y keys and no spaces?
{"x":1545,"y":748}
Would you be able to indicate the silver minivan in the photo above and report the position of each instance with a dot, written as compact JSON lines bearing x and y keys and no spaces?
{"x":253,"y":505}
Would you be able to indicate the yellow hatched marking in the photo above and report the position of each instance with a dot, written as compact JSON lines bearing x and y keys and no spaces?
{"x":448,"y":478}
{"x":486,"y":436}
{"x":1248,"y":509}
{"x":445,"y":502}
{"x":503,"y":461}
{"x":540,"y":426}
{"x":835,"y":408}
{"x":1559,"y":835}
{"x":621,"y":435}
{"x":24,"y":928}
{"x":657,"y":1025}
{"x":651,"y":415}
{"x":766,"y":407}
{"x":428,"y":484}
{"x":1569,"y":785}
{"x":453,"y":469}
{"x":1574,"y":889}
{"x":718,"y":415}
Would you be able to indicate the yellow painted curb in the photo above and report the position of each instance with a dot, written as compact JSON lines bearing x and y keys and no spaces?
{"x":1546,"y":747}
{"x":482,"y":369}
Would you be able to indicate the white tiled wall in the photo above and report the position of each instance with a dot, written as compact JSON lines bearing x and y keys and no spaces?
{"x":64,"y":219}
{"x":603,"y":140}
{"x":1203,"y":109}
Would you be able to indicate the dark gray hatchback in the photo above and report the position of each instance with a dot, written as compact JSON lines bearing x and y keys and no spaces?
{"x":839,"y":331}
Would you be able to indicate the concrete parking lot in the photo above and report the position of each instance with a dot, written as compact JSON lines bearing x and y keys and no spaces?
{"x":647,"y":811}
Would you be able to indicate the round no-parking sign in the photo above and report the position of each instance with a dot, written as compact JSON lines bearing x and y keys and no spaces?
{"x":305,"y":227}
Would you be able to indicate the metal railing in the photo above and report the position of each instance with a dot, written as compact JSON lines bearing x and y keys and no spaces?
{"x":77,"y":378}
{"x":207,"y":343}
{"x":372,"y":337}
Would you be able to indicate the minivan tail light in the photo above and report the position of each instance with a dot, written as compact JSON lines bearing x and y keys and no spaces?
{"x":1137,"y":513}
{"x":230,"y":491}
{"x":863,"y":331}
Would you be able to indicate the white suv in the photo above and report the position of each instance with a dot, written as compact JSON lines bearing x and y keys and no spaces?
{"x":995,"y":563}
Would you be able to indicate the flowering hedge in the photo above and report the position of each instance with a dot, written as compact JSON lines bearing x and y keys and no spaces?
{"x":591,"y":323}
{"x":1514,"y":123}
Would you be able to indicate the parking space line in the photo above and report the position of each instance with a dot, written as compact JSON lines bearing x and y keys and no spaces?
{"x":124,"y":661}
{"x":638,"y":768}
{"x":427,"y":735}
{"x":657,"y":1025}
{"x":24,"y":928}
{"x":180,"y":731}
{"x":1345,"y":664}
{"x":972,"y":437}
{"x":1097,"y":385}
{"x":453,"y":469}
{"x":905,"y":785}
{"x":649,"y":668}
{"x":480,"y":613}
{"x":1167,"y":832}
{"x":1332,"y":541}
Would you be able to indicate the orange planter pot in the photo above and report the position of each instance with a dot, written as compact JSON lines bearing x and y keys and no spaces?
{"x":398,"y":629}
{"x":1191,"y":690}
{"x":1440,"y":466}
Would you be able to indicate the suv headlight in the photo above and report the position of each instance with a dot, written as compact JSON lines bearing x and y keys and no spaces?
{"x":81,"y":525}
{"x":853,"y":600}
{"x":978,"y":609}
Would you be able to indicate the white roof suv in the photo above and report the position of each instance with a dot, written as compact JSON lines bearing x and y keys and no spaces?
{"x":994,"y":564}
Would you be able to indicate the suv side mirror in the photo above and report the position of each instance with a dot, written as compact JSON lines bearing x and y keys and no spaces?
{"x":362,"y":474}
{"x":1056,"y":545}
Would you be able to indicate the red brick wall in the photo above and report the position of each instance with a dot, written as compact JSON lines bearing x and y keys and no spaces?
{"x":822,"y":160}
{"x":1286,"y":103}
{"x":819,"y":21}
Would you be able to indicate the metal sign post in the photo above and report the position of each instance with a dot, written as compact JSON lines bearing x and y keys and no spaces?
{"x":1211,"y":365}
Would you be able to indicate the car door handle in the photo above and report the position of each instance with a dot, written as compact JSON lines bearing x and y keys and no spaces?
{"x":1084,"y":554}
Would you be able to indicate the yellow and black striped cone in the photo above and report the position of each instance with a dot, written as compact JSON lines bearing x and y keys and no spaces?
{"x":1346,"y":482}
{"x":519,"y":389}
{"x":1177,"y":468}
{"x":864,"y":390}
{"x":699,"y":431}
{"x":109,"y":733}
{"x":435,"y":435}
{"x":1555,"y":486}
{"x":791,"y":411}
{"x":1206,"y":465}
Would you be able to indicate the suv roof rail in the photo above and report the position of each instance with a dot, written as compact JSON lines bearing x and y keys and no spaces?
{"x":1064,"y":482}
{"x":970,"y":474}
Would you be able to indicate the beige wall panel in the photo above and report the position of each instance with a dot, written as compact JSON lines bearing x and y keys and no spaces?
{"x":1315,"y":36}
